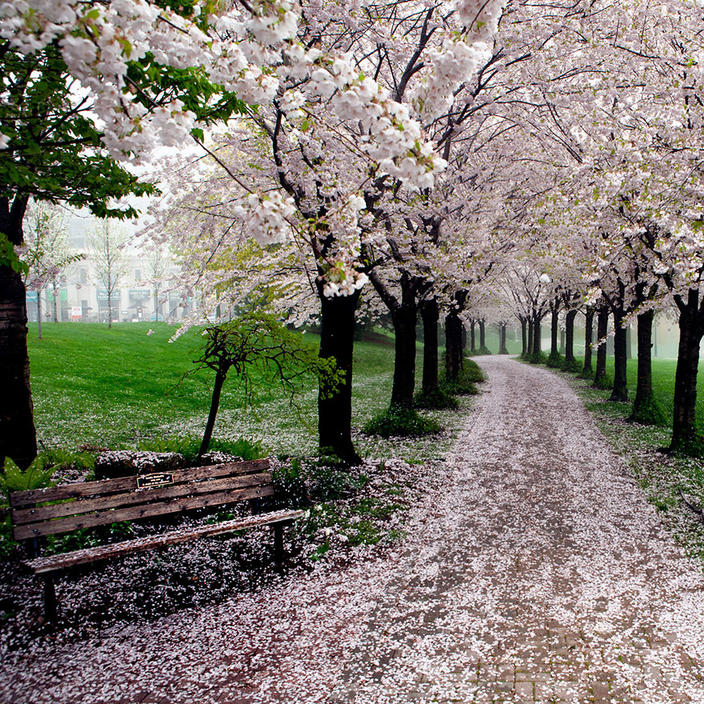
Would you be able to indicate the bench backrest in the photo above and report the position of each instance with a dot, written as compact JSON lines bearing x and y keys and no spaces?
{"x":61,"y":509}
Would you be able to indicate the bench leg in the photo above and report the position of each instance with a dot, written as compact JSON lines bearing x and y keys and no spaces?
{"x":50,"y":608}
{"x":279,"y":544}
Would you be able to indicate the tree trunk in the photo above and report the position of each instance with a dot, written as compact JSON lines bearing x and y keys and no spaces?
{"x":569,"y":336}
{"x":214,"y":405}
{"x":524,"y":340}
{"x":537,"y":351}
{"x":620,"y":389}
{"x":56,"y":302}
{"x":39,"y":314}
{"x":684,"y":412}
{"x":602,"y":329}
{"x":588,"y":330}
{"x":430,"y":313}
{"x":472,"y":338}
{"x":531,"y":331}
{"x":502,"y":339}
{"x":109,"y":308}
{"x":482,"y":336}
{"x":629,"y":353}
{"x":554,"y":331}
{"x":18,"y":438}
{"x":156,"y":305}
{"x":337,"y":323}
{"x":645,"y":409}
{"x":453,"y":345}
{"x":404,"y":320}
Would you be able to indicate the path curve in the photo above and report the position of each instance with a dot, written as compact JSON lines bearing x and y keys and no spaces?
{"x":534,"y":571}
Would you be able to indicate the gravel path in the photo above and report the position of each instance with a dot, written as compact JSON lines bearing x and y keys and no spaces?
{"x":535,"y":571}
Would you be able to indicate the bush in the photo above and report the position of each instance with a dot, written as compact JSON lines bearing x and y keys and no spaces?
{"x":400,"y":421}
{"x":555,"y":360}
{"x":648,"y":412}
{"x":437,"y":400}
{"x":605,"y":383}
{"x":572,"y":366}
{"x":539,"y":358}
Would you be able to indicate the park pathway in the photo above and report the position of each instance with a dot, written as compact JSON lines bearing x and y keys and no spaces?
{"x":534,"y":571}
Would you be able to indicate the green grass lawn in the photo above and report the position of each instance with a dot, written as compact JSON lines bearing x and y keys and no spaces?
{"x":116,"y":387}
{"x":663,"y":386}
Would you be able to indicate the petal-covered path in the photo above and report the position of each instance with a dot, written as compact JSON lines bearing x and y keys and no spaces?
{"x":534,"y":571}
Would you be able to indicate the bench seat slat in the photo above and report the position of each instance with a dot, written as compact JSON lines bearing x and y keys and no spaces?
{"x":101,"y":487}
{"x":80,"y":505}
{"x":131,"y":513}
{"x":54,"y":563}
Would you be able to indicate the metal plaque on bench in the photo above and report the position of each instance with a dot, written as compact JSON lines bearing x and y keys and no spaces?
{"x":154,"y":480}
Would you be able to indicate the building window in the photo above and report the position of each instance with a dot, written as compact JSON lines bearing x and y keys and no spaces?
{"x":137,"y":275}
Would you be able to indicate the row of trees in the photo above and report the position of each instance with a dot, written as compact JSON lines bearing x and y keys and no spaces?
{"x":457,"y":158}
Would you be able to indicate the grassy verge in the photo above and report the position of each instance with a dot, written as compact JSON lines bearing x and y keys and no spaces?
{"x":120,"y":387}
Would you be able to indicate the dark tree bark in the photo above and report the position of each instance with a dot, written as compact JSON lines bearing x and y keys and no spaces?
{"x":602,"y":328}
{"x":337,"y":323}
{"x":524,"y":338}
{"x":18,"y":438}
{"x":482,"y":336}
{"x":620,"y":388}
{"x":430,"y":313}
{"x":537,"y":351}
{"x":645,"y":409}
{"x":502,"y":339}
{"x":404,"y":320}
{"x":404,"y":313}
{"x":472,"y":337}
{"x":453,"y":345}
{"x":588,"y":330}
{"x":531,"y":331}
{"x":220,"y":377}
{"x":554,"y":330}
{"x":685,"y":400}
{"x":569,"y":336}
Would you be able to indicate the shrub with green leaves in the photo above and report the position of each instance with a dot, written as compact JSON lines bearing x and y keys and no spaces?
{"x":400,"y":421}
{"x":436,"y":400}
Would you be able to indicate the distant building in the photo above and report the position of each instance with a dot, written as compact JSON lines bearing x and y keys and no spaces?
{"x":80,"y":298}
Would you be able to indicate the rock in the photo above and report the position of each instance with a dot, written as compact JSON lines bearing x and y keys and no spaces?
{"x":125,"y":463}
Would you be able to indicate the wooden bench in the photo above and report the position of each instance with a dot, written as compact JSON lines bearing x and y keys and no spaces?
{"x":54,"y":510}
